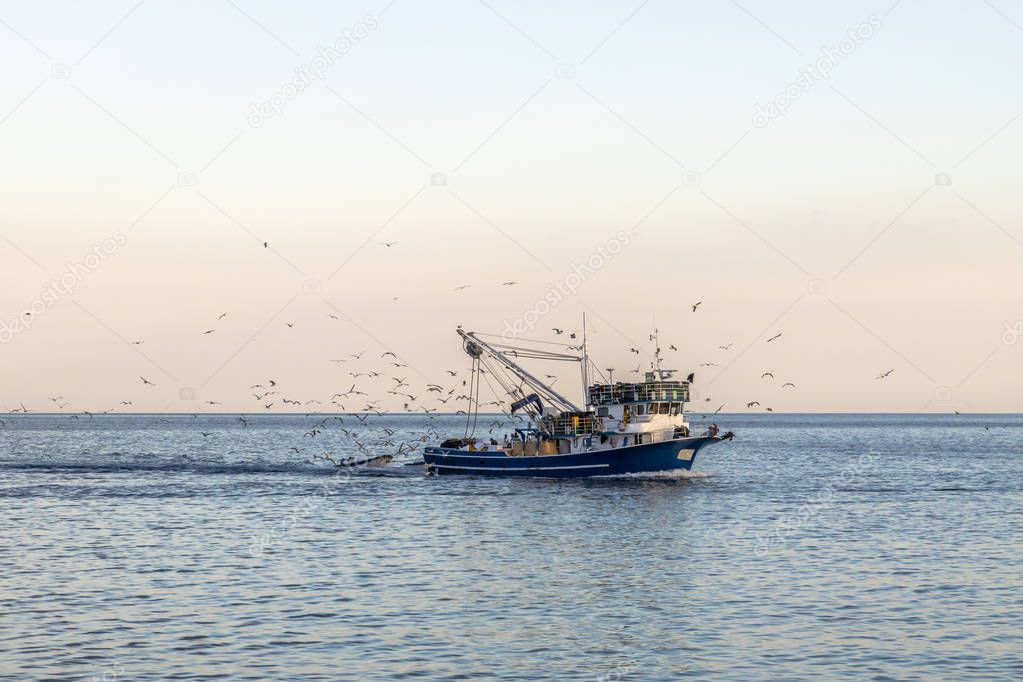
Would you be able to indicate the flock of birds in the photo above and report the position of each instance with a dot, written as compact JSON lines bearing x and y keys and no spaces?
{"x":268,"y":394}
{"x":386,"y":374}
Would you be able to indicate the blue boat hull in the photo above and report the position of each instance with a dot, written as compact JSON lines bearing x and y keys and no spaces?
{"x":651,"y":457}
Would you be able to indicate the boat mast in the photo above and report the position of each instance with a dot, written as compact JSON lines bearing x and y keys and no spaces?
{"x":586,"y":367}
{"x":500,"y":356}
{"x":656,"y":338}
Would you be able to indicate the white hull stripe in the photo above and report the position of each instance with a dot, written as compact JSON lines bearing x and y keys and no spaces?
{"x":575,"y":466}
{"x":479,"y":454}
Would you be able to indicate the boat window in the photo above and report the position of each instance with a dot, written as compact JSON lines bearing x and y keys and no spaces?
{"x":640,"y":409}
{"x":663,"y":408}
{"x":675,"y":408}
{"x":601,"y":411}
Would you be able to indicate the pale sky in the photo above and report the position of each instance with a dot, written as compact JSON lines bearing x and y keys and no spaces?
{"x":876,"y":224}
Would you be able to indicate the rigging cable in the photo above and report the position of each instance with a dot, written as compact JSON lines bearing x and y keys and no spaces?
{"x":472,"y":379}
{"x":476,"y":412}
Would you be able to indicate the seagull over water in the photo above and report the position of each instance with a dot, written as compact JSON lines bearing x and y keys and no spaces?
{"x":773,"y":337}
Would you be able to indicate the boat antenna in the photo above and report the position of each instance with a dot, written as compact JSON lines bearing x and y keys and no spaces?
{"x":610,"y":375}
{"x":655,"y":337}
{"x":585,"y":366}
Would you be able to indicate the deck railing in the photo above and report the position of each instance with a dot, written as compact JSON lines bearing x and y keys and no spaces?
{"x":616,"y":394}
{"x":573,"y":424}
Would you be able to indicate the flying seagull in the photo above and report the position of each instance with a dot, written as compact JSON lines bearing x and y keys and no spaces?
{"x":697,"y":305}
{"x":146,"y":381}
{"x":766,"y":374}
{"x":773,"y":337}
{"x":885,"y":375}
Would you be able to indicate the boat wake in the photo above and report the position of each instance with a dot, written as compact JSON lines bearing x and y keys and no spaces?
{"x":671,"y":475}
{"x":193,"y":466}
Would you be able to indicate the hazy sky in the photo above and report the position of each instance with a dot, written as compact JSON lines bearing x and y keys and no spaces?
{"x":874,"y":223}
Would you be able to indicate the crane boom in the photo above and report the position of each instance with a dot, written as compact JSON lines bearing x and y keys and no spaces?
{"x":501,"y":356}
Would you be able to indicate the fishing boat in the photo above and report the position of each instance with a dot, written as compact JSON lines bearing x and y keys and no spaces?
{"x":623,"y":428}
